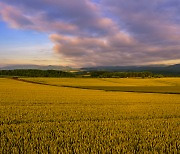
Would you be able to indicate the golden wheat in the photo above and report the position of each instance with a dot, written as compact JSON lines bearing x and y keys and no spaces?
{"x":47,"y":119}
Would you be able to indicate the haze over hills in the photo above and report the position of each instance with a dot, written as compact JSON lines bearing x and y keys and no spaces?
{"x":127,"y":68}
{"x":39,"y":67}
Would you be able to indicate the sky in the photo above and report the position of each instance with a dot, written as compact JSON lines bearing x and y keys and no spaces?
{"x":83,"y":33}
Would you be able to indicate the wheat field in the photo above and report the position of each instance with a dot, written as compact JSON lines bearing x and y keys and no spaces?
{"x":72,"y":115}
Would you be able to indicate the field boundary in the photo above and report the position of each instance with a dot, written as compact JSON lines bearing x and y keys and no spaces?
{"x":91,"y":88}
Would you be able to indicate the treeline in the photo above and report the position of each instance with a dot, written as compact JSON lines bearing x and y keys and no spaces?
{"x":103,"y":74}
{"x":35,"y":73}
{"x":94,"y":74}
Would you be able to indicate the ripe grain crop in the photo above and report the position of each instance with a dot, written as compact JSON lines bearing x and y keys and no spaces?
{"x":153,"y":85}
{"x":38,"y":118}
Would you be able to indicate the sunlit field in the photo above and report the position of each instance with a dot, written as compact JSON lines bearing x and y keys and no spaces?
{"x":153,"y":85}
{"x":76,"y":115}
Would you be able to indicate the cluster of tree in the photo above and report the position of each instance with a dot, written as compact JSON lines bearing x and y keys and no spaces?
{"x":104,"y":74}
{"x":36,"y":73}
{"x":94,"y":74}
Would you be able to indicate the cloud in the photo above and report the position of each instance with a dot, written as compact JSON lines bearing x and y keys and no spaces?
{"x":14,"y":16}
{"x":152,"y":22}
{"x":115,"y":32}
{"x":82,"y":17}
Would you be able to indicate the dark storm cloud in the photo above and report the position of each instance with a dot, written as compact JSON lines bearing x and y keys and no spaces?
{"x":105,"y":32}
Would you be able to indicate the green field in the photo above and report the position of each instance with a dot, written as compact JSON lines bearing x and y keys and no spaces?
{"x":76,"y":115}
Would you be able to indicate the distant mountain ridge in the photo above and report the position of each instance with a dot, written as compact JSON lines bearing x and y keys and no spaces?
{"x":39,"y":67}
{"x":166,"y":70}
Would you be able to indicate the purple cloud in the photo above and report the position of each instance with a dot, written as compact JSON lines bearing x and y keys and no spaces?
{"x":150,"y":22}
{"x":115,"y":32}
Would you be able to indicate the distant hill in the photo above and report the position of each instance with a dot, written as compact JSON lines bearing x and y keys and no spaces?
{"x":39,"y":67}
{"x":165,"y":70}
{"x":172,"y":70}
